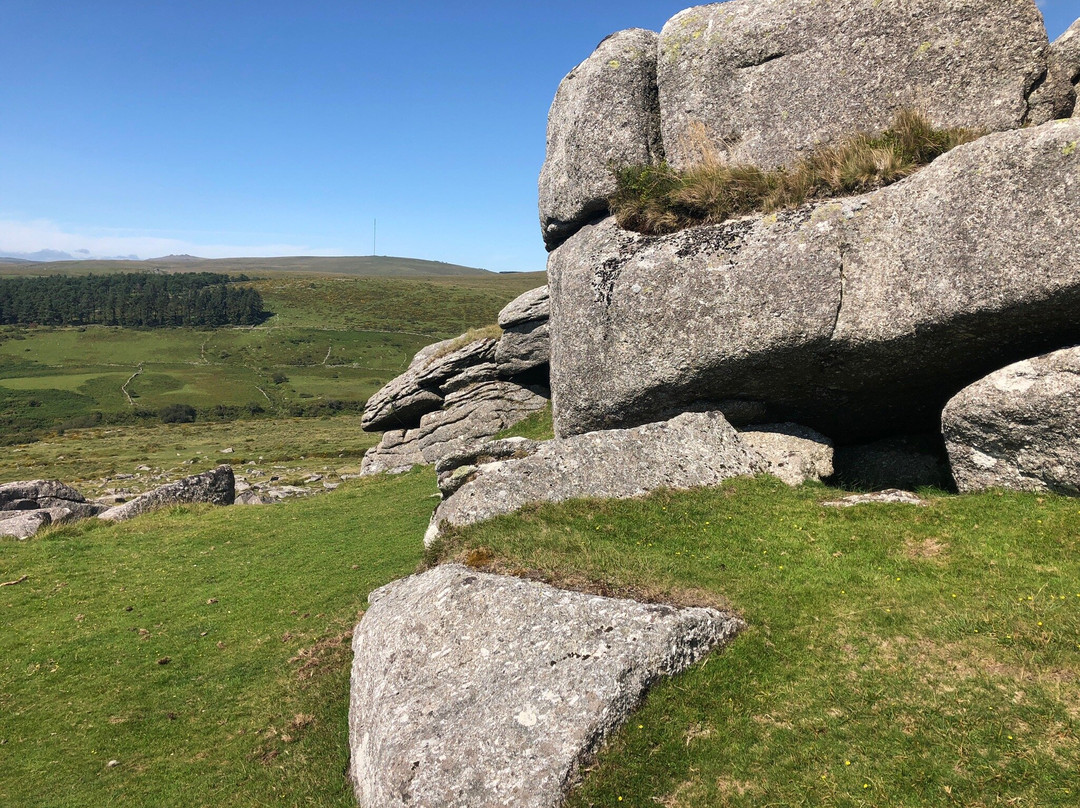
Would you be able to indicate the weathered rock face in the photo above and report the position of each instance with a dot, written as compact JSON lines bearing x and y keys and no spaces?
{"x":23,"y":524}
{"x":1018,"y":428}
{"x":858,"y":317}
{"x":605,"y":112}
{"x":1056,"y":96}
{"x":692,"y":449}
{"x":471,"y":689}
{"x":217,"y":487}
{"x":35,"y":490}
{"x":419,"y":390}
{"x":28,"y":505}
{"x":444,"y":403}
{"x":791,"y":452}
{"x":458,"y":467}
{"x":525,"y":346}
{"x":476,"y":412}
{"x":769,"y":79}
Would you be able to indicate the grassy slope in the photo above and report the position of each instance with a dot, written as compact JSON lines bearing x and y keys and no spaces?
{"x":249,"y":605}
{"x":894,"y":657}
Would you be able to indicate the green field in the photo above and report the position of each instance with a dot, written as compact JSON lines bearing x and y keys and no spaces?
{"x":332,"y":339}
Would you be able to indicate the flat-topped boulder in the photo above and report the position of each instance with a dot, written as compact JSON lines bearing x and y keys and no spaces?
{"x":480,"y":690}
{"x":690,"y":450}
{"x":36,"y":490}
{"x":1017,"y":428}
{"x":859,"y":317}
{"x":605,"y":112}
{"x":766,"y":80}
{"x":217,"y":487}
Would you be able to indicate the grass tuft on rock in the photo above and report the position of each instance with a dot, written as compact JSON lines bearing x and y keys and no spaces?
{"x":658,"y":199}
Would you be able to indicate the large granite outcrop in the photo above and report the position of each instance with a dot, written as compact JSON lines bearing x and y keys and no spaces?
{"x":1018,"y":428}
{"x":453,"y":395}
{"x":477,"y":412}
{"x":1056,"y":96}
{"x":690,"y":450}
{"x":421,"y":388}
{"x":480,"y":690}
{"x":605,"y":113}
{"x":769,"y":79}
{"x":217,"y":487}
{"x":858,"y":317}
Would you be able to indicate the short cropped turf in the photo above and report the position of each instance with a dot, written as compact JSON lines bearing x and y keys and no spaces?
{"x":895,"y":655}
{"x":204,"y":650}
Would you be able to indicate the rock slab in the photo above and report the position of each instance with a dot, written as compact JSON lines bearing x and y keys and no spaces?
{"x":605,"y":113}
{"x":690,"y":450}
{"x":472,"y":690}
{"x":858,"y":317}
{"x":1018,"y":427}
{"x":217,"y":487}
{"x":791,"y":452}
{"x":768,"y":79}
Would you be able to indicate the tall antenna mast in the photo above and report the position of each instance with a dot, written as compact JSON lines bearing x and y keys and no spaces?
{"x":374,"y":226}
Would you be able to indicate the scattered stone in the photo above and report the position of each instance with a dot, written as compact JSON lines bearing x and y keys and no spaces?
{"x":765,"y":80}
{"x":858,"y":317}
{"x":692,"y":449}
{"x":889,"y":496}
{"x":488,"y":690}
{"x":23,"y":524}
{"x":1017,"y":428}
{"x":251,"y":497}
{"x":791,"y":452}
{"x":605,"y":113}
{"x":228,"y":450}
{"x":469,"y":415}
{"x":35,"y":490}
{"x":112,"y":764}
{"x":216,"y":487}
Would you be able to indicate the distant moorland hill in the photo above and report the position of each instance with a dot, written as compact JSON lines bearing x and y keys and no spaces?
{"x":383,"y":266}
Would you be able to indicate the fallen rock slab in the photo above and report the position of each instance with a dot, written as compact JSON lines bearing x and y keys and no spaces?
{"x":478,"y":690}
{"x":690,"y":450}
{"x":1017,"y":428}
{"x":889,"y":496}
{"x":858,"y":317}
{"x":34,"y":490}
{"x":768,"y":79}
{"x":23,"y":524}
{"x":217,"y":487}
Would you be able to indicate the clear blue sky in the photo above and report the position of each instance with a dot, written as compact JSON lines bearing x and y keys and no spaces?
{"x":261,"y":128}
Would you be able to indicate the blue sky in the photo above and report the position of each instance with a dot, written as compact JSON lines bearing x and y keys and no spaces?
{"x":269,"y":128}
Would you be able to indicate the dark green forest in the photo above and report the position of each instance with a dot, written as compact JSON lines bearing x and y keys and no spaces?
{"x":137,"y":300}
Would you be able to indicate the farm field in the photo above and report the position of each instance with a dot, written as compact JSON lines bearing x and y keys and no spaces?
{"x":332,"y":342}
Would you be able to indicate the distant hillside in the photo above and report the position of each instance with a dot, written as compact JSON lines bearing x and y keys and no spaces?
{"x":365,"y":265}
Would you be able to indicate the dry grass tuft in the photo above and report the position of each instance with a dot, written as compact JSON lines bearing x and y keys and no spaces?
{"x":472,"y":335}
{"x":657,"y":199}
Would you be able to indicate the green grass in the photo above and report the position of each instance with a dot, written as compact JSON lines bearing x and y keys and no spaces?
{"x":250,"y":606}
{"x":537,"y":426}
{"x":894,"y":656}
{"x":658,"y":199}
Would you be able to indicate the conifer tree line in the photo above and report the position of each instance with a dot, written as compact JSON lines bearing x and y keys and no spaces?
{"x":138,"y":300}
